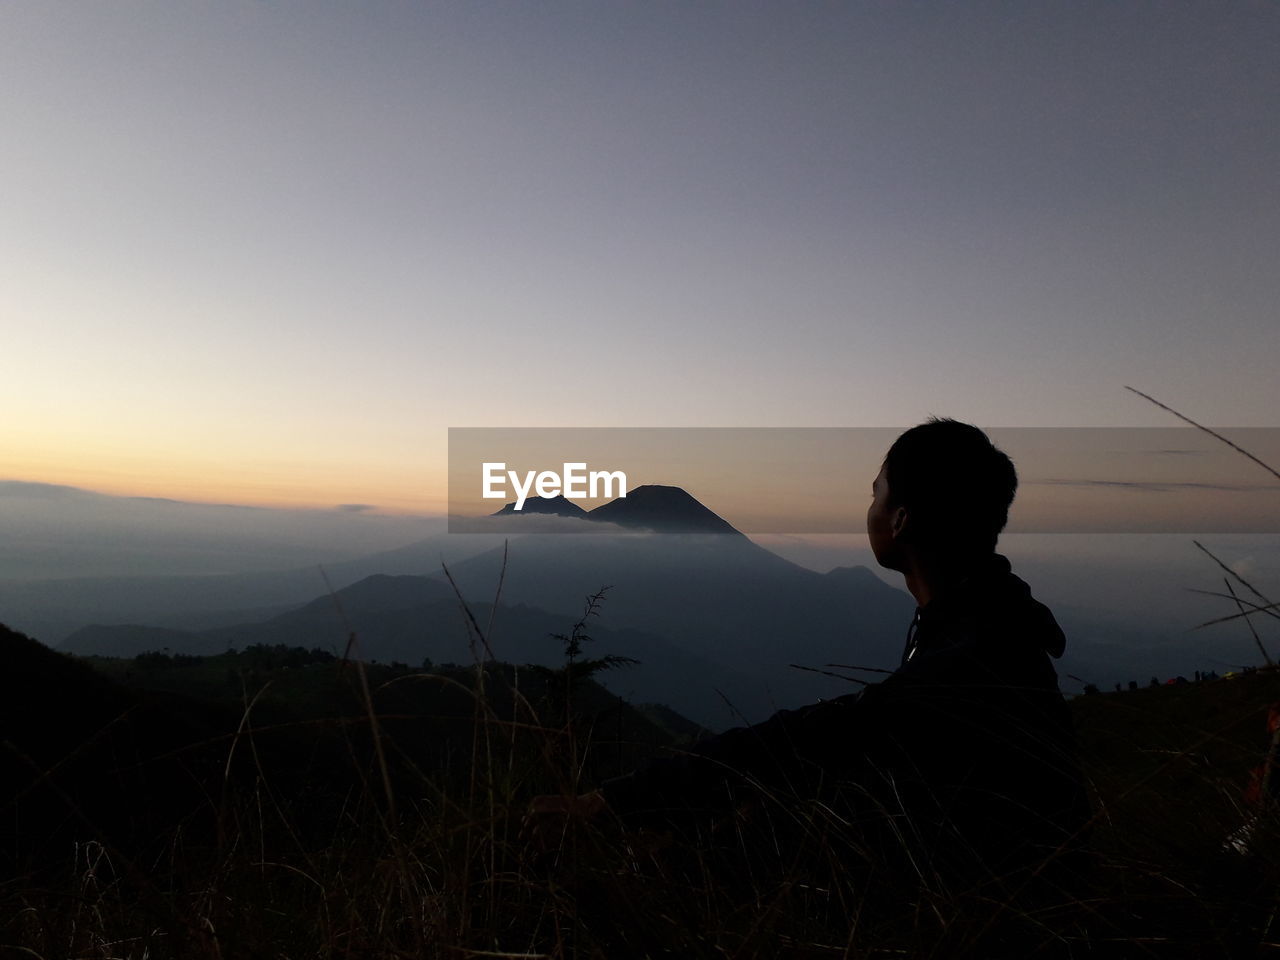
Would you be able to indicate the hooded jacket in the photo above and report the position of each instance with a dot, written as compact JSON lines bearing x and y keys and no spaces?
{"x":966,"y":752}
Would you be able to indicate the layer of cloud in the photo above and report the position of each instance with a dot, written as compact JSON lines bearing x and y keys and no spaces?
{"x":1156,"y":486}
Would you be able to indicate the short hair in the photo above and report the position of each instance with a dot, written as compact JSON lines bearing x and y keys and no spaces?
{"x":957,"y":484}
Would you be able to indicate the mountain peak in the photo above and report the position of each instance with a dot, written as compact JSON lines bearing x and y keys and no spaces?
{"x":662,"y":509}
{"x":554,"y":505}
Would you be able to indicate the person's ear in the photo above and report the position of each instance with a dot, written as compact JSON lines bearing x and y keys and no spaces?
{"x":898,"y":523}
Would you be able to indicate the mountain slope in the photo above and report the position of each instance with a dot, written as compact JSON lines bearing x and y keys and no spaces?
{"x":717,"y":619}
{"x":723,"y":598}
{"x":411,"y":619}
{"x":53,"y":609}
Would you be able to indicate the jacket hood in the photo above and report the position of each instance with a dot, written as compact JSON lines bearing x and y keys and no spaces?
{"x":994,"y":587}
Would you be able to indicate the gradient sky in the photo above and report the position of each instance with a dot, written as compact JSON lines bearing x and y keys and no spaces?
{"x":268,"y":252}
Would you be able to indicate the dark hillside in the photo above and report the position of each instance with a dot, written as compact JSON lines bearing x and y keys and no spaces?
{"x":127,"y":751}
{"x":308,"y":701}
{"x":306,"y":827}
{"x":85,"y":757}
{"x":1170,"y":765}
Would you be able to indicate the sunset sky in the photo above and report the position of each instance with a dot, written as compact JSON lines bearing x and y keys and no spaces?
{"x":267,"y":253}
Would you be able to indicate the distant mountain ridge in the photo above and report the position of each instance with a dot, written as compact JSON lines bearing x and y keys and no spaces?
{"x":724,"y":599}
{"x":54,"y":609}
{"x":716,"y":621}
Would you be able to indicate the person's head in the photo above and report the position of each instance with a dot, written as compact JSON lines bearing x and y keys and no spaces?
{"x":943,"y":492}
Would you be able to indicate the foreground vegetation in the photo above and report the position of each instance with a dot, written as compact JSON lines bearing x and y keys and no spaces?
{"x":281,"y":803}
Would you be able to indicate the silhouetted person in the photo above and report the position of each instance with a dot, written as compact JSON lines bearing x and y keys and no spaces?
{"x":1133,"y":684}
{"x":964,"y":758}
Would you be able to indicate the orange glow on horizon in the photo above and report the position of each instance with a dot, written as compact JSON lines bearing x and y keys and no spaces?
{"x":236,"y":484}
